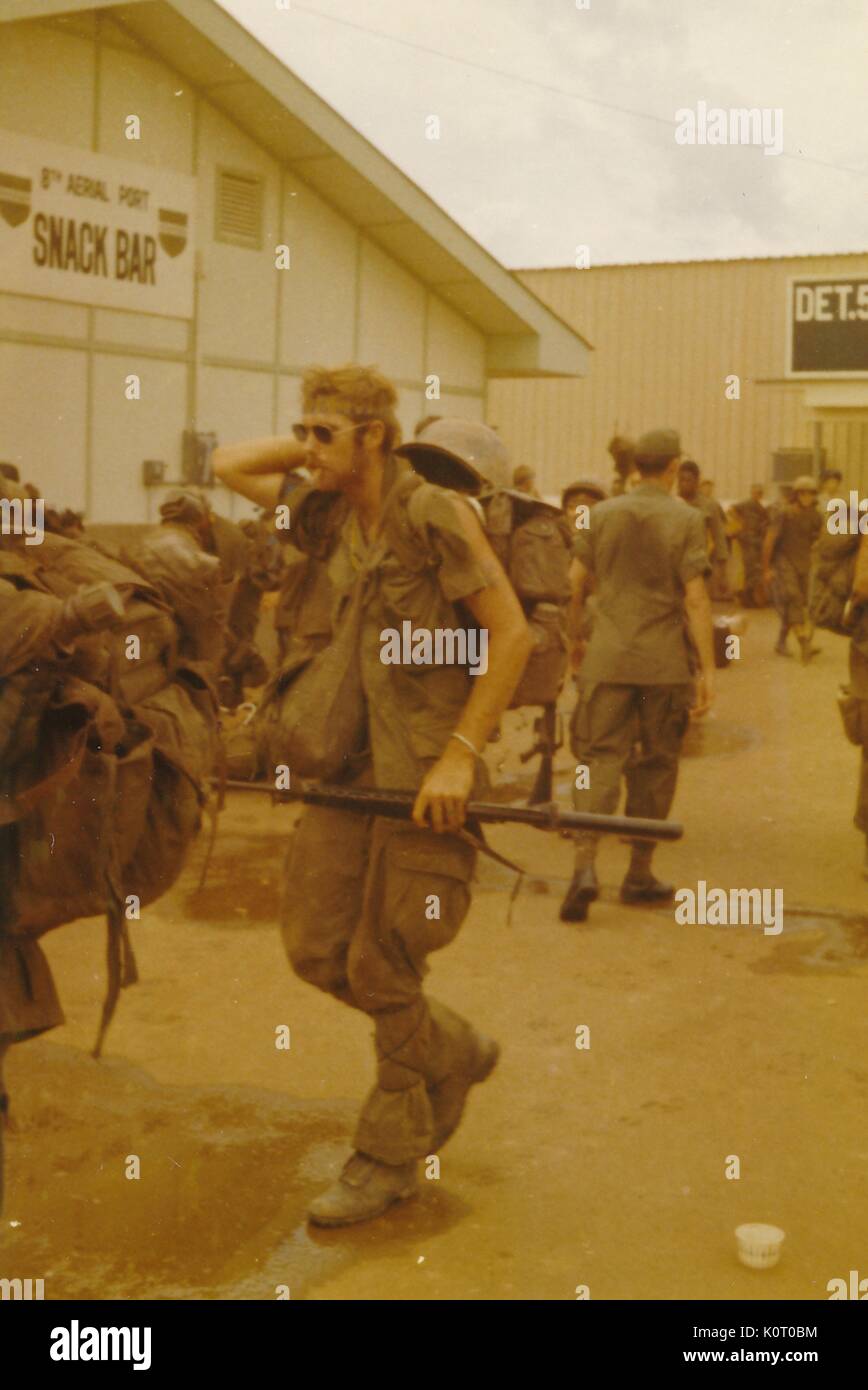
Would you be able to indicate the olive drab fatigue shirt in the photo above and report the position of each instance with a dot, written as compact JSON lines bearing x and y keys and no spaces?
{"x":798,"y":528}
{"x":642,"y":548}
{"x":422,"y":566}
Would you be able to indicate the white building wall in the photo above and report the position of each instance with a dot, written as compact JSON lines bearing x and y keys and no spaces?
{"x":317,"y":310}
{"x":43,"y":417}
{"x":235,"y":367}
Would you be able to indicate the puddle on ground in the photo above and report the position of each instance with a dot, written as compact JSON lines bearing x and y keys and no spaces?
{"x":719,"y":738}
{"x":219,"y":1209}
{"x":817,"y":941}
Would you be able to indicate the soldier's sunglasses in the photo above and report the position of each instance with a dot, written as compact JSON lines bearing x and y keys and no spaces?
{"x":323,"y":434}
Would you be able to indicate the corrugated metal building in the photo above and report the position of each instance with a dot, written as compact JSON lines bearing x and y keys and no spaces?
{"x":154,"y":160}
{"x":666,"y":337}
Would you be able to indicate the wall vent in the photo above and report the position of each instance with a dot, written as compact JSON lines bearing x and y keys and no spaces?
{"x":238,"y":209}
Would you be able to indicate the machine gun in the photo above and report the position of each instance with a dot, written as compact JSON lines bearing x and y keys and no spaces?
{"x":398,"y":805}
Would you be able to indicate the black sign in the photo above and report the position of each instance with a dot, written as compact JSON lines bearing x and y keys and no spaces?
{"x":829,"y":326}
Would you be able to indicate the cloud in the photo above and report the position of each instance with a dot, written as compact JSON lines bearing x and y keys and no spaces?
{"x":531,"y":171}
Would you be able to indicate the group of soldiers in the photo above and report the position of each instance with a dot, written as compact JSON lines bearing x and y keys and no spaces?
{"x":439,"y":533}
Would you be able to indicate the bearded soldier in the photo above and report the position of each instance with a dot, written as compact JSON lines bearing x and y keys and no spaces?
{"x":354,"y":918}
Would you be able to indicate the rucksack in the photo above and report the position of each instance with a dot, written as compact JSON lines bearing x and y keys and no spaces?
{"x":533,"y":543}
{"x":60,"y":568}
{"x":833,"y":564}
{"x":106,"y":762}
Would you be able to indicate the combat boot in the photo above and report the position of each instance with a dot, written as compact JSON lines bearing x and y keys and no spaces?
{"x":449,"y":1097}
{"x":648,"y":890}
{"x":640,"y":885}
{"x":583,"y":890}
{"x":366,"y":1188}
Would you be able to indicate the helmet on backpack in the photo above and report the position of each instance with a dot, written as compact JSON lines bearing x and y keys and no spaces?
{"x":461,"y":454}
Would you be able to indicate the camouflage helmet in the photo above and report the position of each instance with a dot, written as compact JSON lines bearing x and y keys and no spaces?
{"x":460,"y":454}
{"x":805,"y":483}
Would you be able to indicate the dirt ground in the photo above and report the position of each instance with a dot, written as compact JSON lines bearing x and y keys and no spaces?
{"x":602,"y":1167}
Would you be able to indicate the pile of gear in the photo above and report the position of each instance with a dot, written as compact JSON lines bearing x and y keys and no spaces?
{"x":108,"y":729}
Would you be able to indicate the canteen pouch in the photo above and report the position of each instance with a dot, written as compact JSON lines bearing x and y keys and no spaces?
{"x":313,"y":717}
{"x":546,"y":666}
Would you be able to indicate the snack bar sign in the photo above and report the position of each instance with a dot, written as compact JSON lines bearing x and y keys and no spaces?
{"x":94,"y":230}
{"x":828,"y":319}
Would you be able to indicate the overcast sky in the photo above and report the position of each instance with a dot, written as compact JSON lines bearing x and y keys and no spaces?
{"x":532,"y":172}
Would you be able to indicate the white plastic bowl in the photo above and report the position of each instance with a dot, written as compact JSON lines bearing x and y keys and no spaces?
{"x":759,"y":1246}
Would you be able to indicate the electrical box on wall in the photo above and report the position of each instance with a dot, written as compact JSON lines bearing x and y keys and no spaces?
{"x":788,"y":464}
{"x":197,"y":449}
{"x":153,"y":472}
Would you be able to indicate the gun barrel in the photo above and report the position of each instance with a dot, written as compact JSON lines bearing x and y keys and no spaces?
{"x":397,"y":805}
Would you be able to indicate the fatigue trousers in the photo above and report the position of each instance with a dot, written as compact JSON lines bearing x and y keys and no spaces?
{"x":790,"y":592}
{"x":365,"y":901}
{"x":634,"y":732}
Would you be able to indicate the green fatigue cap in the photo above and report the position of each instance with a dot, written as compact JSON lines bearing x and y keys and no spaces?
{"x":663,"y":443}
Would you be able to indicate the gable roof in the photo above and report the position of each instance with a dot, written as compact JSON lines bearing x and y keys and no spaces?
{"x":244,"y":80}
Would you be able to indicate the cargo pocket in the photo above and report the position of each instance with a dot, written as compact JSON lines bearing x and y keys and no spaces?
{"x":427,"y":892}
{"x":322,"y":891}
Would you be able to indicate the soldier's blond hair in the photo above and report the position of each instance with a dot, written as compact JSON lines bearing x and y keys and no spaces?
{"x":360,"y":393}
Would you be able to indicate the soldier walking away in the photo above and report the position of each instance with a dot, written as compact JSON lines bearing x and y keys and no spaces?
{"x":787,"y":564}
{"x":359,"y":914}
{"x":647,"y":557}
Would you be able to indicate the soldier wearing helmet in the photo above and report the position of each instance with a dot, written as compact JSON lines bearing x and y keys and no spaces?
{"x":787,"y":563}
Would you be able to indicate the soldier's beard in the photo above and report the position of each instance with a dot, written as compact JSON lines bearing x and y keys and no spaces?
{"x":332,"y":480}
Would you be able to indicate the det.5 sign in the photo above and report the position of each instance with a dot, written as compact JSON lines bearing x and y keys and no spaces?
{"x":828,"y":326}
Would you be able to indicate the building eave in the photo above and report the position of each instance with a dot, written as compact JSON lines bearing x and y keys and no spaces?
{"x":253,"y":88}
